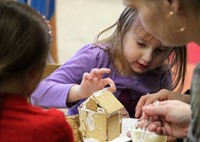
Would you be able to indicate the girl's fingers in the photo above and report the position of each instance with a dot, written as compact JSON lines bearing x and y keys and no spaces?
{"x":99,"y":72}
{"x":108,"y":81}
{"x":86,"y":76}
{"x":103,"y":71}
{"x":93,"y":72}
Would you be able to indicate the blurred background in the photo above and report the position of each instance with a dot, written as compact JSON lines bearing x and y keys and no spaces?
{"x":79,"y":21}
{"x":76,"y":23}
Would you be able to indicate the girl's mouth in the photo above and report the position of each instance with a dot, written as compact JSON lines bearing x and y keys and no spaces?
{"x":142,"y":66}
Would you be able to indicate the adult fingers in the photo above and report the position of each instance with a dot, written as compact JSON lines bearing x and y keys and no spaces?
{"x":152,"y":98}
{"x":158,"y":96}
{"x":158,"y":127}
{"x":149,"y":99}
{"x":157,"y":109}
{"x":140,"y":104}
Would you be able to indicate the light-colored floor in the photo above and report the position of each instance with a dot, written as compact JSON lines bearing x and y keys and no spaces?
{"x":79,"y":21}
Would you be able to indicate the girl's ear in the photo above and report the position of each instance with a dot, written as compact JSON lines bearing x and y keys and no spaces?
{"x":174,"y":4}
{"x":33,"y":74}
{"x":33,"y":79}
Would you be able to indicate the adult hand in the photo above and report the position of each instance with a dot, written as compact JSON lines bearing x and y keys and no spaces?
{"x":162,"y":95}
{"x":170,"y":117}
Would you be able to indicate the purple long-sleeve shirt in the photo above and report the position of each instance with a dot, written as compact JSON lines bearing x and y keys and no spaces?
{"x":53,"y":91}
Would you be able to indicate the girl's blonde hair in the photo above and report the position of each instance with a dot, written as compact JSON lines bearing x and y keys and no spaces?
{"x":114,"y":46}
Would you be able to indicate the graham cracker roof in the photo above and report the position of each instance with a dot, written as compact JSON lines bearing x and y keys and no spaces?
{"x":107,"y":101}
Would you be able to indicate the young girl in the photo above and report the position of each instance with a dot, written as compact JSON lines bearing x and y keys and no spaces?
{"x":24,"y":44}
{"x":135,"y":61}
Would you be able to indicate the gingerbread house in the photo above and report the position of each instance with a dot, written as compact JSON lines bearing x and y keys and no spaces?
{"x":100,"y":116}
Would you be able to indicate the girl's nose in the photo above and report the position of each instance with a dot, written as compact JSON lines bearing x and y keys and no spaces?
{"x":147,"y":56}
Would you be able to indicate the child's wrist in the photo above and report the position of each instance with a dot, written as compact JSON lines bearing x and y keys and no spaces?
{"x":77,"y":92}
{"x":74,"y":94}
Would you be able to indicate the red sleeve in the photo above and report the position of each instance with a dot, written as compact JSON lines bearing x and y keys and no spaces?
{"x":56,"y":127}
{"x":68,"y":133}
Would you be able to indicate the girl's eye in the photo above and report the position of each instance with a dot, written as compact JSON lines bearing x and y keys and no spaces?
{"x":158,"y":50}
{"x":141,"y":44}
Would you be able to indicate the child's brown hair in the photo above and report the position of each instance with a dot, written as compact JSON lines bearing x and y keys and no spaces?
{"x":24,"y":41}
{"x":128,"y":21}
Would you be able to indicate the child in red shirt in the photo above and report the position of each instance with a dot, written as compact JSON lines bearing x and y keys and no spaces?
{"x":24,"y":44}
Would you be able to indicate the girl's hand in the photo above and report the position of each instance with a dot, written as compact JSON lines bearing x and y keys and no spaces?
{"x":125,"y":113}
{"x":91,"y":82}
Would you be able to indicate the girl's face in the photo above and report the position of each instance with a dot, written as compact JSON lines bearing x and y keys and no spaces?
{"x":153,"y":15}
{"x":143,"y":52}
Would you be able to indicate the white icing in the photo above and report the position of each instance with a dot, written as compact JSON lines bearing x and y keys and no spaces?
{"x":120,"y":118}
{"x":90,"y":140}
{"x":90,"y":121}
{"x":100,"y":110}
{"x":149,"y":136}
